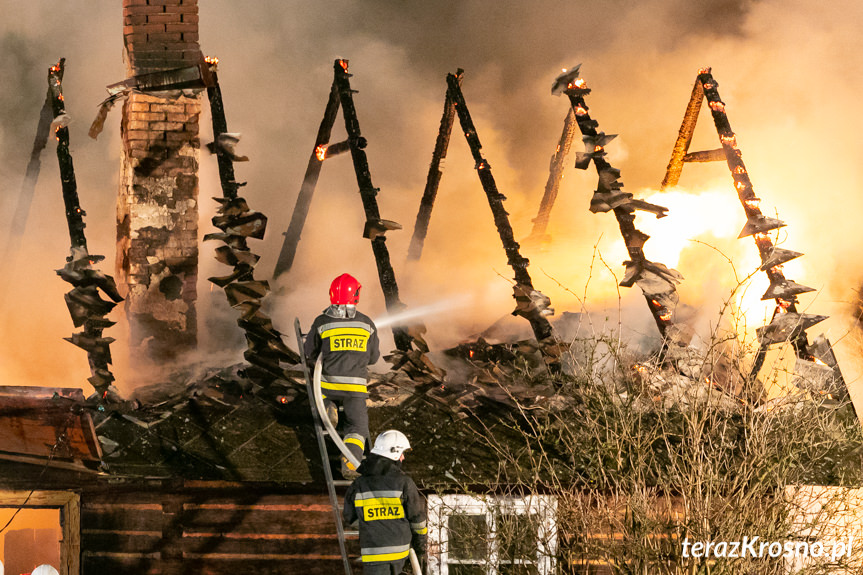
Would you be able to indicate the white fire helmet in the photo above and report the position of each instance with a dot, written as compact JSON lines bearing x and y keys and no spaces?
{"x":391,"y":444}
{"x":44,"y":570}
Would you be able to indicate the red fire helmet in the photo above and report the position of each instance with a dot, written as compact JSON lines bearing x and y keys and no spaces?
{"x":345,"y":290}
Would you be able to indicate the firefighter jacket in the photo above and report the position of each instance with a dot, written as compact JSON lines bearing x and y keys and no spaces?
{"x":348,"y":347}
{"x":390,"y":511}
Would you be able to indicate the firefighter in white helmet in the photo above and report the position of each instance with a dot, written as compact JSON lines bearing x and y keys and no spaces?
{"x":389,"y":508}
{"x":347,"y":340}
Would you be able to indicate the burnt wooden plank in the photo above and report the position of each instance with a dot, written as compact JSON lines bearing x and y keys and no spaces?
{"x":251,"y":498}
{"x":219,"y":565}
{"x":261,"y":544}
{"x":35,"y":432}
{"x":102,"y":563}
{"x":253,"y":520}
{"x":100,"y":540}
{"x":122,"y":519}
{"x":284,"y":565}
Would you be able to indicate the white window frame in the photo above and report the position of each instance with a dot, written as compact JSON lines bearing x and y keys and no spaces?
{"x":441,"y":507}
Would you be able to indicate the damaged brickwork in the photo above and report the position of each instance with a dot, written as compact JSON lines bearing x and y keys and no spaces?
{"x":157,"y":207}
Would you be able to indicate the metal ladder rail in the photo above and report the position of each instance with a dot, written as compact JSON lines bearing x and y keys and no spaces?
{"x":325,"y":459}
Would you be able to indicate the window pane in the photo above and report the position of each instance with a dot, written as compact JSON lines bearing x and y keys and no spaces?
{"x":517,"y":534}
{"x":466,"y":569}
{"x":468,"y":537}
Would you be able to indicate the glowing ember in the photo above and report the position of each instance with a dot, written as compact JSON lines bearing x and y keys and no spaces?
{"x":782,"y":305}
{"x":709,"y":86}
{"x":470,"y":351}
{"x":739,"y":170}
{"x":819,"y":362}
{"x":752,"y":203}
{"x":717,"y":106}
{"x":580,"y":83}
{"x":665,"y":315}
{"x":212,"y":60}
{"x":705,"y":70}
{"x":580,"y":111}
{"x":597,"y":149}
{"x":321,"y":152}
{"x":740,"y":186}
{"x":729,"y":140}
{"x":344,"y":65}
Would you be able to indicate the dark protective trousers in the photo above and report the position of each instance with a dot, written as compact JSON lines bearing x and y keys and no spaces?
{"x":355,"y":431}
{"x":384,"y":568}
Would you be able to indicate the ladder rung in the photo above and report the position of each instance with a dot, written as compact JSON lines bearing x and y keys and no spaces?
{"x":342,"y":482}
{"x":352,"y":533}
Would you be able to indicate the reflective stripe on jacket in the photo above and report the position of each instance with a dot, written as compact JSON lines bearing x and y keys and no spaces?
{"x":348,"y":346}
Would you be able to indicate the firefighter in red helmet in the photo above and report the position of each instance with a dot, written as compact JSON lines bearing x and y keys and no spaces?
{"x":347,"y":340}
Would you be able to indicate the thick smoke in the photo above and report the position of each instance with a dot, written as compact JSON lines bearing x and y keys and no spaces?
{"x":785,"y":71}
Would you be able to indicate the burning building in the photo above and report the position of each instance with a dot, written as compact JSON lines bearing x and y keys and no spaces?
{"x":217,"y":470}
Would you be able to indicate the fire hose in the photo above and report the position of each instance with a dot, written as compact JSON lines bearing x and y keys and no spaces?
{"x":322,"y":413}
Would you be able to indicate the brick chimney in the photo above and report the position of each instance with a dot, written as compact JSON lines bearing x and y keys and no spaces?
{"x":157,"y":206}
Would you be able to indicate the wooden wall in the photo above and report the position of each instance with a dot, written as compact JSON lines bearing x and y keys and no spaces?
{"x":209,"y":532}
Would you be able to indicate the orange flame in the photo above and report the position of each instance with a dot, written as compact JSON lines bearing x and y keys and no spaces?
{"x":705,"y":70}
{"x":321,"y":152}
{"x":597,"y":149}
{"x":709,"y":86}
{"x":211,"y":60}
{"x":752,"y":203}
{"x":739,"y":170}
{"x":344,"y":65}
{"x":729,"y":140}
{"x":717,"y":106}
{"x":580,"y":111}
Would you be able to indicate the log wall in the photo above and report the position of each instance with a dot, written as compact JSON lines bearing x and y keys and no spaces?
{"x":209,"y":533}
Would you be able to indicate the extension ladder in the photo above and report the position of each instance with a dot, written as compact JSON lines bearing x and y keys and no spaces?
{"x":320,"y":433}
